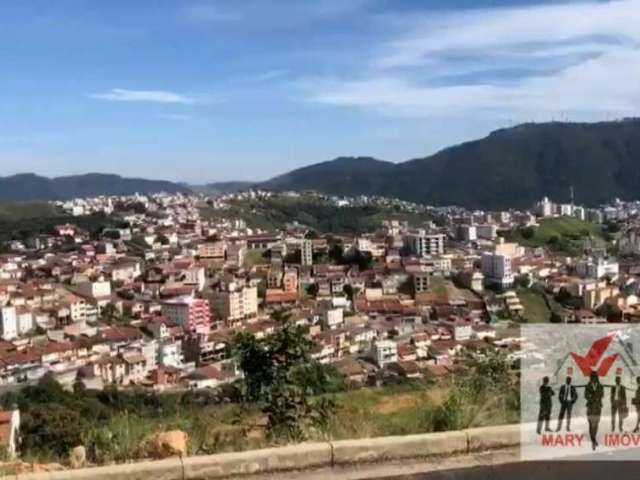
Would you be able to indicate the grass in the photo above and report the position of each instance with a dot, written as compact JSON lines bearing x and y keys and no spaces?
{"x":567,"y":227}
{"x":535,"y":306}
{"x":255,"y":257}
{"x":563,"y":235}
{"x":401,"y":409}
{"x":273,"y":213}
{"x":11,"y":211}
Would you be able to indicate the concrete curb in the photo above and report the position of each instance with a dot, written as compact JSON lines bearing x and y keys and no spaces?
{"x":391,"y":448}
{"x":305,"y":456}
{"x":294,"y":457}
{"x":490,"y":438}
{"x":169,"y":469}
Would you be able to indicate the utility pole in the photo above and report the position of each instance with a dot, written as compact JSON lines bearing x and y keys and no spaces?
{"x":571,"y":195}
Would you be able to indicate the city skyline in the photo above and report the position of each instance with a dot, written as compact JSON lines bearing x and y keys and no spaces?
{"x":213,"y":91}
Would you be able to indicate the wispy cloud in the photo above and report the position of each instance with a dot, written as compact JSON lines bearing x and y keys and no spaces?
{"x":525,"y":62}
{"x":265,"y":76}
{"x":150,"y":96}
{"x":515,"y":31}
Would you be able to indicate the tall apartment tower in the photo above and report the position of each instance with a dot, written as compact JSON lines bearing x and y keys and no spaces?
{"x":307,"y":252}
{"x":423,"y":244}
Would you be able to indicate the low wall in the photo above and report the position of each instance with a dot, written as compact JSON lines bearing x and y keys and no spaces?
{"x":304,"y":456}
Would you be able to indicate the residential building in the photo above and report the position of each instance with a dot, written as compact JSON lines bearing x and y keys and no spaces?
{"x":306,"y":252}
{"x":496,"y":269}
{"x":487,"y":231}
{"x":467,"y":233}
{"x":385,"y":352}
{"x":236,"y":303}
{"x":423,"y":244}
{"x":190,"y":313}
{"x":544,"y":208}
{"x":97,"y":289}
{"x":421,"y":281}
{"x":8,"y":323}
{"x":597,"y":268}
{"x":213,"y":250}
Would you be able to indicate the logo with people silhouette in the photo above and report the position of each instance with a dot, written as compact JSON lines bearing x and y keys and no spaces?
{"x":578,"y":385}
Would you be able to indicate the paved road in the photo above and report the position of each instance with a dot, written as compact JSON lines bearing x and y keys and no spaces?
{"x":498,"y":465}
{"x":536,"y":471}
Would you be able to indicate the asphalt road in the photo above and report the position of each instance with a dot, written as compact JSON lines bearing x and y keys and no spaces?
{"x":497,"y":465}
{"x":594,"y":467}
{"x":535,"y":471}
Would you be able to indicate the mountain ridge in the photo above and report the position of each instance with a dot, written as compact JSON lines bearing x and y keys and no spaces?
{"x":510,"y":167}
{"x":30,"y":186}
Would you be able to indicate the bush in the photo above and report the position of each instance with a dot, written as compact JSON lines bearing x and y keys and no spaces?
{"x":52,"y":427}
{"x":527,"y":232}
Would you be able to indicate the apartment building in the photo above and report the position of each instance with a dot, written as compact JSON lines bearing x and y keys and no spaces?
{"x":8,"y":323}
{"x":191,"y":313}
{"x":496,"y":269}
{"x":385,"y":352}
{"x":290,"y":280}
{"x":237,"y":303}
{"x":421,"y":281}
{"x":307,"y":252}
{"x":423,"y":244}
{"x":98,"y":289}
{"x":213,"y":250}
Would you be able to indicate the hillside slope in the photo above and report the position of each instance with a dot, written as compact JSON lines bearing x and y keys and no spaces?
{"x":509,"y":168}
{"x":342,"y":176}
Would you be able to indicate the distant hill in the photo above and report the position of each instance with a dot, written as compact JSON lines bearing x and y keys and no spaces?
{"x":221,"y":187}
{"x":509,"y":168}
{"x":28,"y":186}
{"x":342,"y":176}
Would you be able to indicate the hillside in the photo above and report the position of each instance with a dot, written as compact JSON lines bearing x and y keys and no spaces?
{"x":318,"y":214}
{"x":28,"y":186}
{"x":218,"y":188}
{"x":509,"y":168}
{"x":342,"y":176}
{"x":564,"y":235}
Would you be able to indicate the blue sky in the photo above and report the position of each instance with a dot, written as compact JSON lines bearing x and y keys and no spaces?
{"x":217,"y":90}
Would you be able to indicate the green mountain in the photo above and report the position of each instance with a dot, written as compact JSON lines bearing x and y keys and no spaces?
{"x":342,"y":176}
{"x":511,"y":167}
{"x":28,"y":186}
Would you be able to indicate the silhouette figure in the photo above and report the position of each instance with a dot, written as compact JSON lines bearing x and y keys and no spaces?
{"x":618,"y":404}
{"x":567,"y":396}
{"x":544,"y":415}
{"x":636,"y":403}
{"x":593,"y":393}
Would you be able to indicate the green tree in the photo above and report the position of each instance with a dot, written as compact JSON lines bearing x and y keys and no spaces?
{"x":256,"y":362}
{"x":280,"y":373}
{"x":51,"y":427}
{"x":527,"y":232}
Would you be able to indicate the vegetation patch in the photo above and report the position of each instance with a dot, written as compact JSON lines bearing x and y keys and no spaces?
{"x":563,"y":235}
{"x":535,"y":306}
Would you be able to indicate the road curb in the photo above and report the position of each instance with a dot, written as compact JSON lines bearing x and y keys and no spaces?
{"x":305,"y":456}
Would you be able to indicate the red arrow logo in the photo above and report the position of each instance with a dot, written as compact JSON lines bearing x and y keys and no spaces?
{"x":593,"y":356}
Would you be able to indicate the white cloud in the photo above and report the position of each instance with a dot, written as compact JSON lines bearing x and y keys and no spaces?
{"x":516,"y":30}
{"x":574,"y":59}
{"x":151,"y":96}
